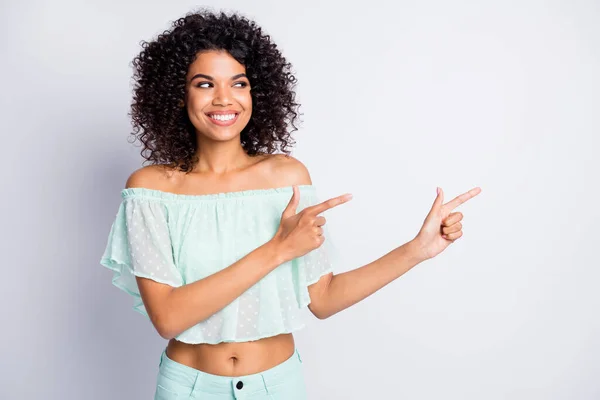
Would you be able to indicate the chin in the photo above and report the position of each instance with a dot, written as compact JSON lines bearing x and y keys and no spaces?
{"x":223,"y":136}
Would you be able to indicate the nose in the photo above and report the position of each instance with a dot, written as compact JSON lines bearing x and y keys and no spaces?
{"x":222,"y":96}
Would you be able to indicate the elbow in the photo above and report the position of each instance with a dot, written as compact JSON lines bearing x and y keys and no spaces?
{"x":163,"y":314}
{"x":321,"y":315}
{"x":324,"y":315}
{"x":164,"y":327}
{"x":317,"y":312}
{"x":165,"y":333}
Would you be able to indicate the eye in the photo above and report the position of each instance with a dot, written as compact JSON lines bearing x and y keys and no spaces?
{"x":199,"y":85}
{"x":242,"y":83}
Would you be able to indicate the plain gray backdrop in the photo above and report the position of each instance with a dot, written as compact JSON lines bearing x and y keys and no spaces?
{"x":397,"y":98}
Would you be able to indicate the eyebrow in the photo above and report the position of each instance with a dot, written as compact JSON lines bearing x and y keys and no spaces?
{"x":210,"y":78}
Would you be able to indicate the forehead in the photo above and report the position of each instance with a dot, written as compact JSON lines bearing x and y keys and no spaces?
{"x":219,"y":64}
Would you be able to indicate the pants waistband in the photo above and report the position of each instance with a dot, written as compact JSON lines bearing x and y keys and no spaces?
{"x":200,"y":380}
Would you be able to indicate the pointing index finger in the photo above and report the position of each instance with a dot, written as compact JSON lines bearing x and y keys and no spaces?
{"x":458,"y":200}
{"x":327,"y":204}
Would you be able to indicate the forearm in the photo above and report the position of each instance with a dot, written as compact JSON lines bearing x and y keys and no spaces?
{"x":189,"y":304}
{"x":348,"y":288}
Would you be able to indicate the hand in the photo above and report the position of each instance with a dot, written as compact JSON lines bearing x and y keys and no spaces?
{"x":300,"y":233}
{"x":441,"y":227}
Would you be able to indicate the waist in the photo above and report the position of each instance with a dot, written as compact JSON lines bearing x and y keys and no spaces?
{"x":232,"y":358}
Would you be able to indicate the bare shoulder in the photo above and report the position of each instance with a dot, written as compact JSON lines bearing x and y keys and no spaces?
{"x":287,"y":170}
{"x":158,"y":177}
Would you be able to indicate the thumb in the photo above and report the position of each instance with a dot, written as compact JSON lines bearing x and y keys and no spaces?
{"x":437,"y":204}
{"x":293,"y":204}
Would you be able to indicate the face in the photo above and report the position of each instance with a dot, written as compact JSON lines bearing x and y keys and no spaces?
{"x":218,"y":97}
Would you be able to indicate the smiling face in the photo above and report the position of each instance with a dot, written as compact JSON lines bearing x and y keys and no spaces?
{"x":218,"y":97}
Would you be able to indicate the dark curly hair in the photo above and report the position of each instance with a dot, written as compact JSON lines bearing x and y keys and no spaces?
{"x":163,"y":126}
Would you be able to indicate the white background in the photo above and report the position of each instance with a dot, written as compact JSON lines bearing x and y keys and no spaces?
{"x":397,"y":98}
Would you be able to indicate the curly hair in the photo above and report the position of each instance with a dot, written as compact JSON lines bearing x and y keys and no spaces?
{"x":163,"y":126}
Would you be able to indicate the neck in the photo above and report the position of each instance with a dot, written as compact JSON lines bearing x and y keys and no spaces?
{"x":220,"y":158}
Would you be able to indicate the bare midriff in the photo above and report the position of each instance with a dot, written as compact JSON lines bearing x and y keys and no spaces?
{"x":233,"y":359}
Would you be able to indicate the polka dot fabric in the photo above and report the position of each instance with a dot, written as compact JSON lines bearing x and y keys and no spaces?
{"x":178,"y":239}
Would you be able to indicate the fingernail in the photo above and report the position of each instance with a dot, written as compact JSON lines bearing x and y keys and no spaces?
{"x":438,"y":190}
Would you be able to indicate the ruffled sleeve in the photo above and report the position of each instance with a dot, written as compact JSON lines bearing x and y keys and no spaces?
{"x":310,"y":267}
{"x":139,"y":245}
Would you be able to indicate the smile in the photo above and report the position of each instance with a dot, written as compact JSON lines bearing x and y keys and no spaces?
{"x":223,"y":119}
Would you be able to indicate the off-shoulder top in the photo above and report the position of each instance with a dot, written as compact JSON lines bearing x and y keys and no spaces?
{"x":178,"y":239}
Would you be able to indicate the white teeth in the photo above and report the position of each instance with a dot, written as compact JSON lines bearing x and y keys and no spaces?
{"x":227,"y":117}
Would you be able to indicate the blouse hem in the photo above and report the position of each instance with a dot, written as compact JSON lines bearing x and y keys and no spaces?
{"x":246,"y":339}
{"x":117,"y":267}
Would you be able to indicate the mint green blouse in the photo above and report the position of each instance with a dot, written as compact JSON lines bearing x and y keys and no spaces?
{"x":176,"y":239}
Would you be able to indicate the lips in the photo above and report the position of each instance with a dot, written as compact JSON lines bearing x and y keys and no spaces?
{"x":223,"y":112}
{"x":223,"y":118}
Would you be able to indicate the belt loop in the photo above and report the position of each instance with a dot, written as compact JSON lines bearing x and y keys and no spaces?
{"x":298,"y":354}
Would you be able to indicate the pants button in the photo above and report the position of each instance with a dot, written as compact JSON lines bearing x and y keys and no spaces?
{"x":239,"y":385}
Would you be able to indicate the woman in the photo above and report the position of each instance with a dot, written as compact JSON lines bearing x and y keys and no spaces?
{"x":220,"y":240}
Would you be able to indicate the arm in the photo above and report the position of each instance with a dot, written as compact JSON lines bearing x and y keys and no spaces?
{"x":334,"y":293}
{"x":440,"y":228}
{"x":173,"y":310}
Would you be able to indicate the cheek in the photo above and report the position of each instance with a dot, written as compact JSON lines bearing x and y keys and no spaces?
{"x":248,"y":108}
{"x":246,"y":101}
{"x":196,"y":104}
